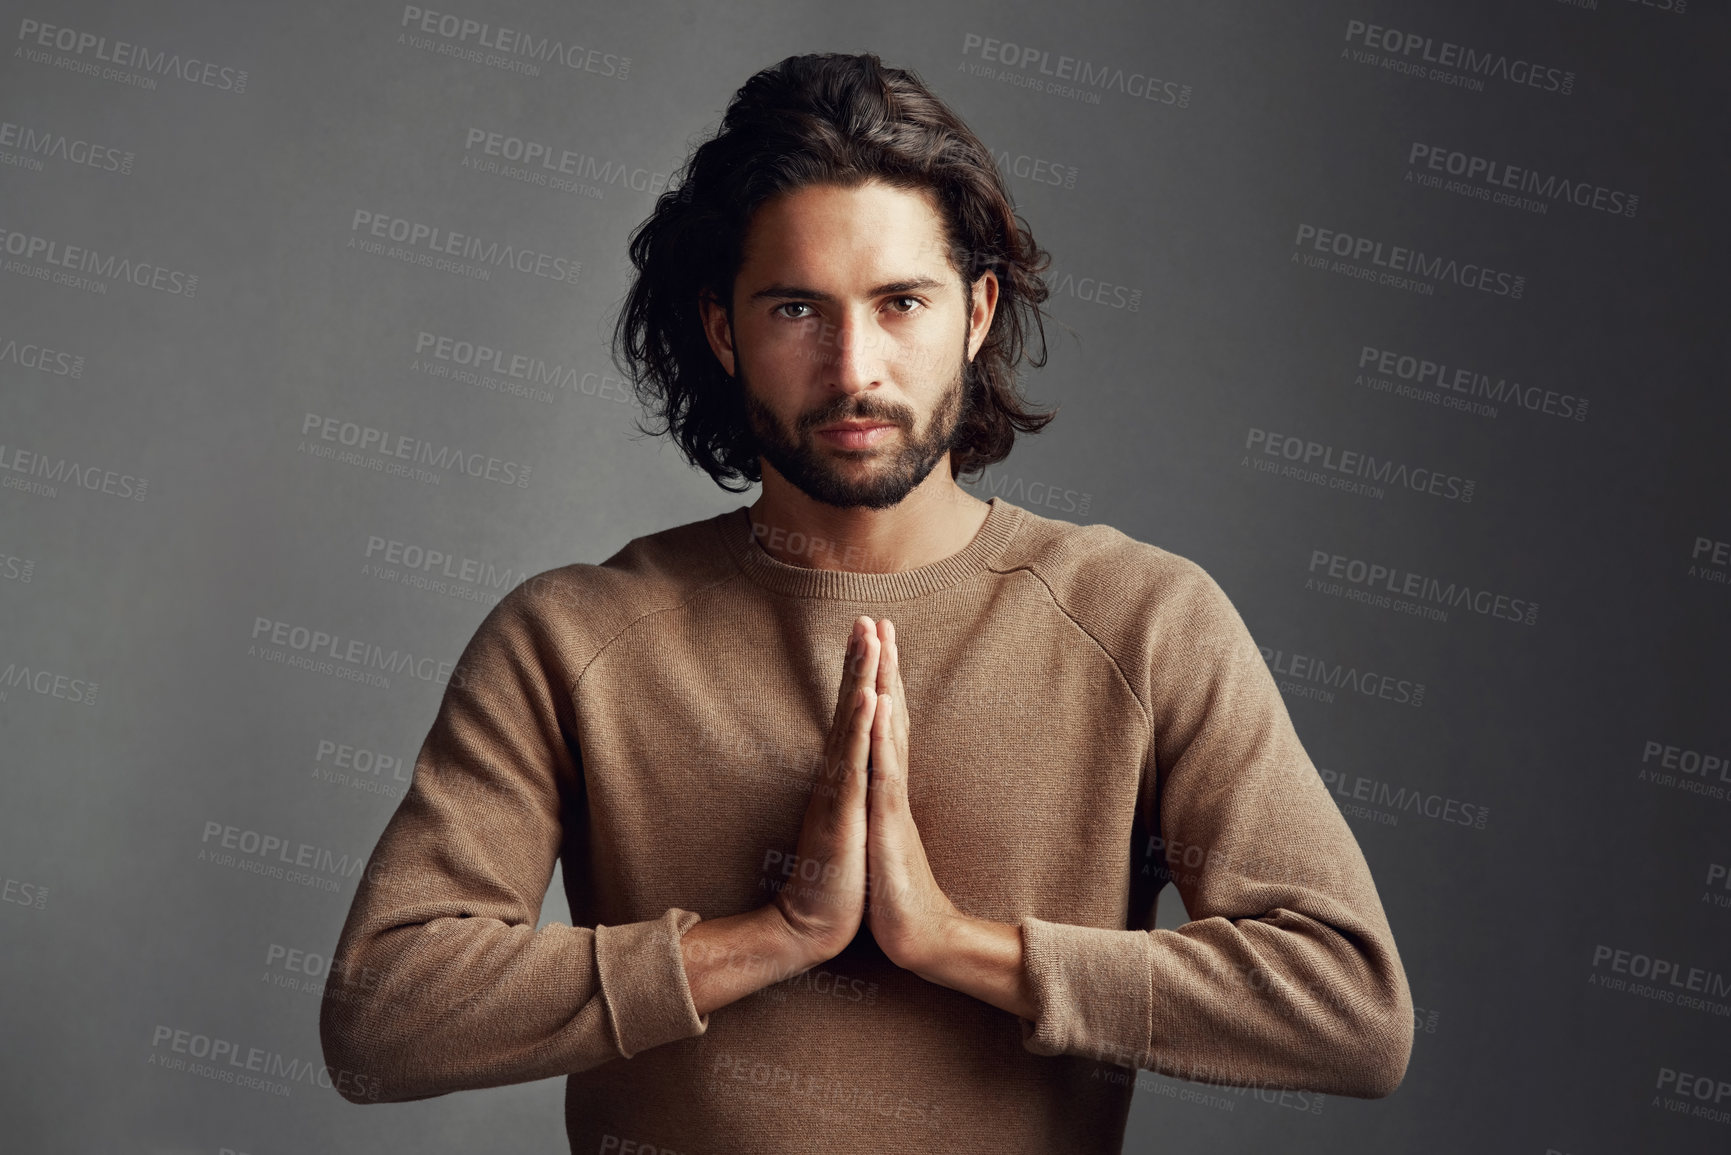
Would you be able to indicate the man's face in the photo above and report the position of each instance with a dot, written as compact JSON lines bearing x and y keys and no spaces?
{"x":846,"y":309}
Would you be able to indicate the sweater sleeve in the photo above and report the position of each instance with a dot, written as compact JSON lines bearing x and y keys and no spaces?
{"x":440,"y":980}
{"x":1287,"y":974}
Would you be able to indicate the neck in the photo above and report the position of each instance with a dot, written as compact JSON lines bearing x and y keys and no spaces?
{"x":937,"y":519}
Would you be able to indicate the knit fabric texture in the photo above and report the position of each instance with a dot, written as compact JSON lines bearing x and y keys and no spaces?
{"x":1089,"y":719}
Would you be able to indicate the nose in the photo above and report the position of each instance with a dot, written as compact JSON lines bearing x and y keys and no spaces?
{"x":855,"y":354}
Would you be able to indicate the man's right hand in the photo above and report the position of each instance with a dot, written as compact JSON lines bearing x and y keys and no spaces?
{"x":820,"y":907}
{"x":823,"y":900}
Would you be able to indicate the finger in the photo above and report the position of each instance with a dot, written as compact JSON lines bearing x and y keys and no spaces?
{"x":857,"y":674}
{"x":859,"y":745}
{"x":849,"y":782}
{"x":900,"y":720}
{"x":867,"y":660}
{"x":888,"y":773}
{"x":868,"y":656}
{"x":845,"y":684}
{"x":842,"y":780}
{"x":834,"y":742}
{"x":887,"y":671}
{"x":890,"y":682}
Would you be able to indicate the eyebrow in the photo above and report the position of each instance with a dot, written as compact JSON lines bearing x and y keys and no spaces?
{"x":782,"y":292}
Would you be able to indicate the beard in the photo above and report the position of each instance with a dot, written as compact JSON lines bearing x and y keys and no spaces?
{"x":897,"y":465}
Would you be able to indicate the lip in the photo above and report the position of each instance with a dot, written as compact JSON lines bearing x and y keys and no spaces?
{"x":856,"y":434}
{"x":857,"y":423}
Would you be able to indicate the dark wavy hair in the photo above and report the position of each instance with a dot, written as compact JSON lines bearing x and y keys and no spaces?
{"x":823,"y":118}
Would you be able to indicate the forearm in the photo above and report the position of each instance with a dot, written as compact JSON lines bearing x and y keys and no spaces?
{"x":982,"y":958}
{"x":729,"y":958}
{"x":1313,"y":1001}
{"x":462,"y":1001}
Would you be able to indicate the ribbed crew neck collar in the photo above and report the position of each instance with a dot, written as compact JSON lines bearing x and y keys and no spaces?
{"x":1002,"y":521}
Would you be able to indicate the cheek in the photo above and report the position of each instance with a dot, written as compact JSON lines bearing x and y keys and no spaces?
{"x":932,"y":364}
{"x":790,"y":347}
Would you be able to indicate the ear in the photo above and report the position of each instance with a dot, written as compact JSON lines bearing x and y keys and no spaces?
{"x":983,"y":297}
{"x":718,"y":328}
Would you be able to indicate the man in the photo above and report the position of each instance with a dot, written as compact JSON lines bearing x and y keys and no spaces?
{"x":863,"y":792}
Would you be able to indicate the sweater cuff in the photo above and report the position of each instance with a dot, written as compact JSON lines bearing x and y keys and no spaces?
{"x":643,"y":981}
{"x":1093,"y":988}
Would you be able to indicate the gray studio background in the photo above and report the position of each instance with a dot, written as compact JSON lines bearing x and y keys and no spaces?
{"x":195,"y":305}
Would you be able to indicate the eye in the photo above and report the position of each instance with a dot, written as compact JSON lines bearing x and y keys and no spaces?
{"x":916,"y":300}
{"x":790,"y":305}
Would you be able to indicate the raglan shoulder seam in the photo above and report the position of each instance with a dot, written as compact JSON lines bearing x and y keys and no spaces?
{"x":575,"y":680}
{"x":1031,"y":569}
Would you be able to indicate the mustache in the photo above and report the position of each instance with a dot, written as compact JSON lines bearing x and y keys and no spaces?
{"x":872,"y":413}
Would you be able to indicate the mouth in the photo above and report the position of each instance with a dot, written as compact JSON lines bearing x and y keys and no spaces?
{"x":856,"y":434}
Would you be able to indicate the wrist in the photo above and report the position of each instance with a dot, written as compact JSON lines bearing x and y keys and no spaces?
{"x":986,"y":959}
{"x":796,"y":950}
{"x":941,"y":948}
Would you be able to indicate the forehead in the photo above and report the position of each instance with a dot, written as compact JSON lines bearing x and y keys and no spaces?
{"x":825,"y":231}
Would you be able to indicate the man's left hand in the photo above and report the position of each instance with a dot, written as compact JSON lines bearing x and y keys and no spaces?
{"x":909,"y":914}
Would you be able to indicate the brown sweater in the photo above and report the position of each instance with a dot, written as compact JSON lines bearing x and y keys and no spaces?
{"x":1089,"y":718}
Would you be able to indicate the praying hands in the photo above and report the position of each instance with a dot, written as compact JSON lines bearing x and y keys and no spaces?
{"x":866,"y":854}
{"x":860,"y":861}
